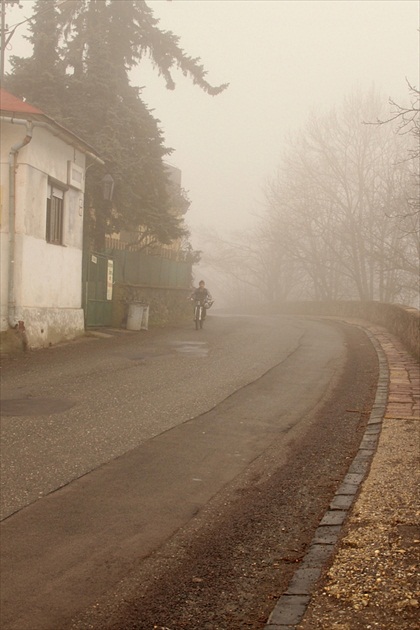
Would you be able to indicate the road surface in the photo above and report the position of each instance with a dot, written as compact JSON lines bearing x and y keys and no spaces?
{"x":123,"y":444}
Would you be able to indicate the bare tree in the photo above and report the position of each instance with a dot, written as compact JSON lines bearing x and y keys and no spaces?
{"x":406,"y":121}
{"x":252,"y":265}
{"x":407,"y":118}
{"x":341,"y":198}
{"x":337,"y":222}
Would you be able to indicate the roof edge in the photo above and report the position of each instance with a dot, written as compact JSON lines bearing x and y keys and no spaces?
{"x":15,"y":108}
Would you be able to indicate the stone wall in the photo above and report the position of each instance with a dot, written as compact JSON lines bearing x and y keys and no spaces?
{"x":166,"y":305}
{"x":402,"y":321}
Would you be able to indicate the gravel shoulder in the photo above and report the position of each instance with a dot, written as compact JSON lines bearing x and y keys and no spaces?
{"x":373,"y":580}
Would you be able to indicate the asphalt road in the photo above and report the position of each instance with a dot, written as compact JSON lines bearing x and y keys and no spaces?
{"x":163,"y":421}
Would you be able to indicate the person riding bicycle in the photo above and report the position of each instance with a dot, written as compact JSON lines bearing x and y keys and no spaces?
{"x":203,"y":295}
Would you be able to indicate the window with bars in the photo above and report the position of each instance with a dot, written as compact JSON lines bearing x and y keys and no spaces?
{"x":55,"y":215}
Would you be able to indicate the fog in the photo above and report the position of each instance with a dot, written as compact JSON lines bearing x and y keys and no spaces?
{"x":284,"y":61}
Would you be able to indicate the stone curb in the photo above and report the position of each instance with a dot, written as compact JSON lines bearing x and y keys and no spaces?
{"x":292,"y":605}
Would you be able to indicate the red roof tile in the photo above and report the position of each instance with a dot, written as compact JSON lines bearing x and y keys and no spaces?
{"x":11,"y":103}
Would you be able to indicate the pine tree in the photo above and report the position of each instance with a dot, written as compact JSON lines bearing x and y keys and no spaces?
{"x":41,"y":78}
{"x":91,"y":46}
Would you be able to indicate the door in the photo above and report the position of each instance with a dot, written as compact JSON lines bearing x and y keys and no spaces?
{"x":99,"y":271}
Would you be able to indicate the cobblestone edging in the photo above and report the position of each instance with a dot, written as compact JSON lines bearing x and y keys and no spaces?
{"x":292,"y":605}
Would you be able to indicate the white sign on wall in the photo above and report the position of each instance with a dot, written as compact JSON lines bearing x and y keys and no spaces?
{"x":74,"y":175}
{"x":110,"y":279}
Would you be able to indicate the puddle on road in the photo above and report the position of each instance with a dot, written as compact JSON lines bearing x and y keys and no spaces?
{"x":188,"y":348}
{"x":34,"y":406}
{"x":148,"y":355}
{"x":192,"y":348}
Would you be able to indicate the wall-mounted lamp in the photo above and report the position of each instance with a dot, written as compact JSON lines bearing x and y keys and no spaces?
{"x":107,"y":187}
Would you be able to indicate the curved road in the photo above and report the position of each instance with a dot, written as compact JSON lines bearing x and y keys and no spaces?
{"x":164,"y":422}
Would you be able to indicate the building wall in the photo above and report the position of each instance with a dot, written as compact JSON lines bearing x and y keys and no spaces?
{"x":48,"y":277}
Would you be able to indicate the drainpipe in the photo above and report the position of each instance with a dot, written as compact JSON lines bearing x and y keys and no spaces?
{"x":14,"y":314}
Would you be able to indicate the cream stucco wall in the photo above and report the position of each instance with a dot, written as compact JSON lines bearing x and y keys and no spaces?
{"x":48,"y":278}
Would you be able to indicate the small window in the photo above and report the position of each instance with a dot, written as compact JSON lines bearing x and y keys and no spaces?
{"x":55,"y":215}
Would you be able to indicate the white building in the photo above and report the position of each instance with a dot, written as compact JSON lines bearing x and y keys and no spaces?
{"x":41,"y":224}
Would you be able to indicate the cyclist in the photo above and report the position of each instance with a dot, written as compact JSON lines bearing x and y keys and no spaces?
{"x":204,"y":296}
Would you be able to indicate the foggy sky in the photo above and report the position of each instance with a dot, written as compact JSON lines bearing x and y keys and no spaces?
{"x":283,"y":59}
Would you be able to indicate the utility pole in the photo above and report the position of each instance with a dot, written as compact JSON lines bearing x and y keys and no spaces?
{"x":5,"y":36}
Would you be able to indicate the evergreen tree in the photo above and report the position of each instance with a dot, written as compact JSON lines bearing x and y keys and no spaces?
{"x":83,"y":52}
{"x":41,"y":78}
{"x":136,"y":35}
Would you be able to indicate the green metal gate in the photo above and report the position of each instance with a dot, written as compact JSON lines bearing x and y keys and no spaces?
{"x":99,"y":275}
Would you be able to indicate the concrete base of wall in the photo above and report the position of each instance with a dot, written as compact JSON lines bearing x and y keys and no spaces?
{"x":44,"y":327}
{"x":11,"y":342}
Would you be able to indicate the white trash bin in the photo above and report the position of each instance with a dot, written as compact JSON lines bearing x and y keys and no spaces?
{"x":135,"y":316}
{"x":138,"y":316}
